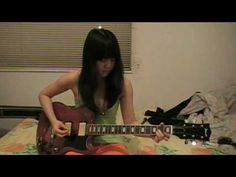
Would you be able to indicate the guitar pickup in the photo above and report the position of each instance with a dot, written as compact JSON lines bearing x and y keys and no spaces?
{"x":68,"y":126}
{"x":82,"y":129}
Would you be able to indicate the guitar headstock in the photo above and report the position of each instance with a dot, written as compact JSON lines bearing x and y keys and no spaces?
{"x":193,"y":131}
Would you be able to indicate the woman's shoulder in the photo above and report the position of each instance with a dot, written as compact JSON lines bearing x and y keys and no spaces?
{"x":69,"y":78}
{"x":127,"y":82}
{"x":72,"y":75}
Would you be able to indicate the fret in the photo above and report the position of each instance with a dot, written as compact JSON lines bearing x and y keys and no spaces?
{"x":108,"y":129}
{"x":136,"y":130}
{"x":127,"y":129}
{"x":116,"y":129}
{"x":119,"y":129}
{"x":148,"y":129}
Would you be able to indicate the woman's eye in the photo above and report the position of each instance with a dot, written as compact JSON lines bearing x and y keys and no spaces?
{"x":104,"y":60}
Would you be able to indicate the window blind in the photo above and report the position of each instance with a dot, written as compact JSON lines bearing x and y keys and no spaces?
{"x":53,"y":46}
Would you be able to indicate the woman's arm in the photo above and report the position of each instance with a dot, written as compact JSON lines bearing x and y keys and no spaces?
{"x":126,"y":103}
{"x":65,"y":82}
{"x":127,"y":110}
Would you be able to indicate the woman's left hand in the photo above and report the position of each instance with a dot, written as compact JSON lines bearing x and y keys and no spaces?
{"x":160,"y":136}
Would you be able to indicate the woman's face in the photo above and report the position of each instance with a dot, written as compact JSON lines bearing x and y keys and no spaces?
{"x":105,"y":66}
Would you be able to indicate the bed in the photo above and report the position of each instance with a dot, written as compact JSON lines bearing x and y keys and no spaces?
{"x":21,"y":141}
{"x":219,"y":110}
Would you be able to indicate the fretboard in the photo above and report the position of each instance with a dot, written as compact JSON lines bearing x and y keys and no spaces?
{"x":100,"y":129}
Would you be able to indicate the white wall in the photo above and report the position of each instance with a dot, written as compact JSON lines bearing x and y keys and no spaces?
{"x":173,"y":60}
{"x":170,"y":62}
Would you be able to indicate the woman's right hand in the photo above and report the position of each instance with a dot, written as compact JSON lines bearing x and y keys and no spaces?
{"x":59,"y":128}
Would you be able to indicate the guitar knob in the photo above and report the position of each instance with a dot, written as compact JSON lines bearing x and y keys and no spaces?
{"x":56,"y":149}
{"x":52,"y":136}
{"x":39,"y":140}
{"x":39,"y":143}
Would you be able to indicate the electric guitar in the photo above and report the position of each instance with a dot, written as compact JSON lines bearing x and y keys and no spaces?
{"x":79,"y":122}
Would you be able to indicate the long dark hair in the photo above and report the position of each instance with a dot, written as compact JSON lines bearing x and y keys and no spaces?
{"x":99,"y":44}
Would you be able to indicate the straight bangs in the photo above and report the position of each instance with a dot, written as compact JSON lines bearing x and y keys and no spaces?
{"x":110,"y":51}
{"x":106,"y":50}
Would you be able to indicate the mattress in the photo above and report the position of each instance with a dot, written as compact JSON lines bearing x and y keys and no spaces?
{"x":21,"y":140}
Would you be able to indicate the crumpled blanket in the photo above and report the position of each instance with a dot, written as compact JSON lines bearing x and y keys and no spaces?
{"x":219,"y":109}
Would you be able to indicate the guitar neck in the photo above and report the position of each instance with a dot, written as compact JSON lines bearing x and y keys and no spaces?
{"x":101,"y":129}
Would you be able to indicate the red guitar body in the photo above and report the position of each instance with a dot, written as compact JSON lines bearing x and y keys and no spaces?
{"x":50,"y":144}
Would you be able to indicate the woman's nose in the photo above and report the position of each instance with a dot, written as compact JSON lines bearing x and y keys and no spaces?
{"x":108,"y":63}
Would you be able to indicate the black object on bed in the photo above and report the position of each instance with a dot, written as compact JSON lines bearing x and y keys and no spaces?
{"x":19,"y":111}
{"x":169,"y":117}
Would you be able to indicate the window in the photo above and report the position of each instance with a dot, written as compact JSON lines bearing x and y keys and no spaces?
{"x":53,"y":46}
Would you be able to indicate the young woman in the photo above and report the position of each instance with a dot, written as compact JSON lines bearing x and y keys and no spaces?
{"x":101,"y":86}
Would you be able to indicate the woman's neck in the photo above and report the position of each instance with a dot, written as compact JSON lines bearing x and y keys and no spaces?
{"x":101,"y":83}
{"x":100,"y":79}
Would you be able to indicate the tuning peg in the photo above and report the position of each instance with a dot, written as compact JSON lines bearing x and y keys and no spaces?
{"x":186,"y":141}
